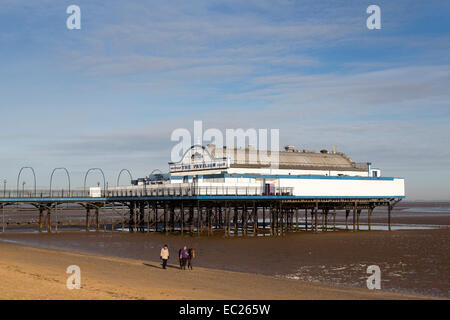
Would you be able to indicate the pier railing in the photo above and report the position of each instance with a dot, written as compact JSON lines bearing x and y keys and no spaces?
{"x":192,"y":190}
{"x":157,"y":190}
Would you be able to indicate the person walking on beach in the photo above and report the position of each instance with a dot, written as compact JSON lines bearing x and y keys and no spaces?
{"x":164,"y":255}
{"x":179,"y":258}
{"x":184,"y":254}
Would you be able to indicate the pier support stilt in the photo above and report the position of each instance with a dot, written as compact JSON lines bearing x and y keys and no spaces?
{"x":3,"y":218}
{"x":358,"y":213}
{"x":41,"y":218}
{"x":49,"y":220}
{"x":227,"y":220}
{"x":155,"y":214}
{"x":315,"y":220}
{"x":123,"y":218}
{"x":255,"y":219}
{"x":271,"y":224}
{"x":280,"y":216}
{"x":191,"y":220}
{"x":166,"y":208}
{"x":210,"y":212}
{"x":87,"y":218}
{"x":149,"y":216}
{"x":264,"y":218}
{"x":171,"y":219}
{"x":134,"y":217}
{"x":113,"y":213}
{"x":97,"y":224}
{"x":182,"y":218}
{"x":236,"y":221}
{"x":245,"y":220}
{"x":323,"y":219}
{"x":347,"y":212}
{"x":316,"y":211}
{"x":201,"y":219}
{"x":276,"y":220}
{"x":198,"y":217}
{"x":56,"y":215}
{"x":141,"y":223}
{"x":306,"y":219}
{"x":334,"y":219}
{"x":132,"y":220}
{"x":389,"y":216}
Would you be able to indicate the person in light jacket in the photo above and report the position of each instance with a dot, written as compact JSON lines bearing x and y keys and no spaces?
{"x":164,"y":256}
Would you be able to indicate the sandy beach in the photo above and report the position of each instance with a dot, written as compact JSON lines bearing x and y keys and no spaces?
{"x":414,"y":262}
{"x":411,"y":261}
{"x":36,"y":273}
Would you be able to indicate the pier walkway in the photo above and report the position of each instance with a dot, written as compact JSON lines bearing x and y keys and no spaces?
{"x":189,"y":209}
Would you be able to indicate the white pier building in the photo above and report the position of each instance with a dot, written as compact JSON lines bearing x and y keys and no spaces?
{"x":299,"y":173}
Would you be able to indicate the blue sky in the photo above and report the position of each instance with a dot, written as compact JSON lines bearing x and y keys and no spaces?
{"x":109,"y":95}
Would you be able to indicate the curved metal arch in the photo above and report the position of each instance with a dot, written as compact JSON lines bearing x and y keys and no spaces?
{"x":204,"y":150}
{"x":160,"y":172}
{"x":129,"y":173}
{"x":51,"y":178}
{"x":85,"y":177}
{"x":18,"y":178}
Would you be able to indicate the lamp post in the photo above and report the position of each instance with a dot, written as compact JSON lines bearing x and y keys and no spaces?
{"x":23,"y":188}
{"x":4,"y":187}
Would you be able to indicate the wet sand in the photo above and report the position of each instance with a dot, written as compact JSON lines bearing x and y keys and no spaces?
{"x":414,"y":261}
{"x":37,"y":273}
{"x":414,"y":213}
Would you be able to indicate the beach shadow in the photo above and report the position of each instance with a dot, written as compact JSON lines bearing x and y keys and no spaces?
{"x":160,"y":266}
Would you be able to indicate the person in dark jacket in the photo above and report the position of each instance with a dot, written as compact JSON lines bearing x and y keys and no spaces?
{"x":184,"y":254}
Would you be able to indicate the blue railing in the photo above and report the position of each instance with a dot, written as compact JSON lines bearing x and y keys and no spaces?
{"x":147,"y":191}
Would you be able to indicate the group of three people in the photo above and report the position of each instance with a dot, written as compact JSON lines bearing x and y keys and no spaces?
{"x":184,"y":255}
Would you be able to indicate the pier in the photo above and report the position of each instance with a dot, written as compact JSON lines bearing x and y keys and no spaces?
{"x":187,"y":209}
{"x":206,"y":193}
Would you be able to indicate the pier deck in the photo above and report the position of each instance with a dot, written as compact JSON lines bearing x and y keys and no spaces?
{"x":238,"y":212}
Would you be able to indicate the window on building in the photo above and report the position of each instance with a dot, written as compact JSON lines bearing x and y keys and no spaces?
{"x":214,"y":179}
